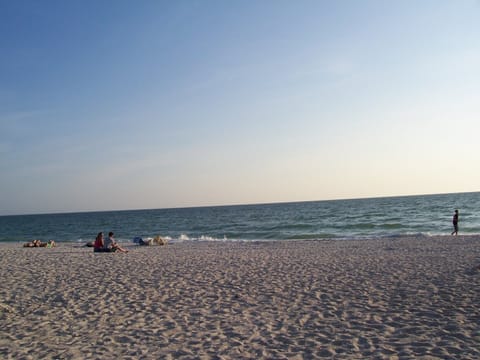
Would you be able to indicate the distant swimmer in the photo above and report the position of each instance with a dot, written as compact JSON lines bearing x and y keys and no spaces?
{"x":455,"y":223}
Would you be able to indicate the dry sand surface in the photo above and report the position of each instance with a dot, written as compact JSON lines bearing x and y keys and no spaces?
{"x":398,"y":298}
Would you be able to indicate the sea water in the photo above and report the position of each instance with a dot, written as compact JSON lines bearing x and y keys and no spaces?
{"x":339,"y":219}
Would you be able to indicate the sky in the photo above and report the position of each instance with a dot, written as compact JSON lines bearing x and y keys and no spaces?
{"x":109,"y":105}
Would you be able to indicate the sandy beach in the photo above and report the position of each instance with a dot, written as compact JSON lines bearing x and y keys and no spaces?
{"x":398,"y":298}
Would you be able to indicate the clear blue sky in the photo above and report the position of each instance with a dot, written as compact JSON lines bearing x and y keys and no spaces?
{"x":150,"y":104}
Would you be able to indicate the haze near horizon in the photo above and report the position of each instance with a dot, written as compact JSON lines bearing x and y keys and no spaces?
{"x":130,"y":105}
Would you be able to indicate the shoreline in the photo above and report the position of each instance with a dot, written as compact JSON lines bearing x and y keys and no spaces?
{"x":128,"y":242}
{"x":399,"y":297}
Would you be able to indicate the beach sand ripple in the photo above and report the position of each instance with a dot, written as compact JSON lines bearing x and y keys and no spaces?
{"x":381,"y":298}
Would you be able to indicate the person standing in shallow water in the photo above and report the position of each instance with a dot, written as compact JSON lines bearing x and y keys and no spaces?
{"x":455,"y":223}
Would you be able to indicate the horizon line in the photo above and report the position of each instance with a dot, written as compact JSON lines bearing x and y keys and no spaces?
{"x":239,"y":204}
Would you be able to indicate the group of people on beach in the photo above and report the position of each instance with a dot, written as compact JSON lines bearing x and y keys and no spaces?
{"x":110,"y":245}
{"x":107,"y":245}
{"x":39,"y":243}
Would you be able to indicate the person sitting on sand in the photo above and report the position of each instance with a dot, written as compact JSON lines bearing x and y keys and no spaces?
{"x":33,"y":243}
{"x":38,"y":243}
{"x":111,"y":245}
{"x":99,"y":244}
{"x":48,"y":244}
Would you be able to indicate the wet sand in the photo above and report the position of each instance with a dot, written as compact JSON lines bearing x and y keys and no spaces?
{"x":397,"y":298}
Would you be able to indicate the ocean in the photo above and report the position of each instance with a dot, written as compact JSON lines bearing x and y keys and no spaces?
{"x":424,"y":215}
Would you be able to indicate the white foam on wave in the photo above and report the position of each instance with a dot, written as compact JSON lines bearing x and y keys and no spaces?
{"x":186,"y":238}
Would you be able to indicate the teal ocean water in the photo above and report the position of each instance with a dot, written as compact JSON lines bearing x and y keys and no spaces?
{"x":340,"y":219}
